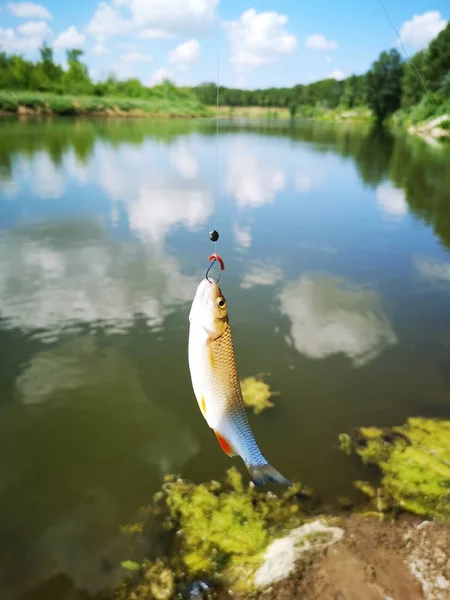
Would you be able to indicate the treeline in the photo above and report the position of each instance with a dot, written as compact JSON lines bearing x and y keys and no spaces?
{"x":17,"y":73}
{"x":389,"y":84}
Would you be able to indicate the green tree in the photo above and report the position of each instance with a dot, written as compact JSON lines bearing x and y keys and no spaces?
{"x":412,"y":88}
{"x":76,"y":79}
{"x":445,"y":87}
{"x":384,"y":84}
{"x":437,"y":60}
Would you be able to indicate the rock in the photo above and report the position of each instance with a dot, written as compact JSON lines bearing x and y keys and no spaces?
{"x":282,"y":554}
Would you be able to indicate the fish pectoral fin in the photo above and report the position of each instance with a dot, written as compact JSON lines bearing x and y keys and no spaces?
{"x":225,"y":444}
{"x":202,"y":405}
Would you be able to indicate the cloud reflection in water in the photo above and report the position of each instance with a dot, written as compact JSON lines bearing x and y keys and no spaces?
{"x":330,"y":316}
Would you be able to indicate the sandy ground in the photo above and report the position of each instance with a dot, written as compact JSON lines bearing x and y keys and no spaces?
{"x":407,"y":560}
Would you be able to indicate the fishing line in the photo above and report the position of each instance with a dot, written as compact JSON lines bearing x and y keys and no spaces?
{"x":216,"y":186}
{"x":430,"y":97}
{"x":214,"y":235}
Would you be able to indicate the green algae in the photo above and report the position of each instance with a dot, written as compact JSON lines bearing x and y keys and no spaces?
{"x":415,"y":464}
{"x":221,"y":531}
{"x":257,"y":393}
{"x":225,"y":529}
{"x":155,"y":581}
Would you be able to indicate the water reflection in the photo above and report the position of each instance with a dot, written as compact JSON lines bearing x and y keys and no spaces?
{"x":103,"y":226}
{"x":242,"y":235}
{"x":433,"y":269}
{"x":59,"y":275}
{"x":331,"y":316}
{"x":251,"y":180}
{"x":79,"y":545}
{"x":261,"y":274}
{"x":160,"y":205}
{"x":392,"y":200}
{"x":184,"y":161}
{"x":105,"y":434}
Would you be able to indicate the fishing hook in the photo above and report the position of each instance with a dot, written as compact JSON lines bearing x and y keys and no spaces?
{"x":216,"y":257}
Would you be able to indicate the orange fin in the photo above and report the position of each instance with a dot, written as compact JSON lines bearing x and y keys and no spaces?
{"x":224,"y":444}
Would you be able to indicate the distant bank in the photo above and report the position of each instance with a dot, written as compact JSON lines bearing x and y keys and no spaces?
{"x":30,"y":103}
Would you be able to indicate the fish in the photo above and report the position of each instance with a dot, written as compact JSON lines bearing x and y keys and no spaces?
{"x":216,"y":383}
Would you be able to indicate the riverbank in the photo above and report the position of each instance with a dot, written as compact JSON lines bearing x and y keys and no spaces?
{"x":177,"y":104}
{"x":233,"y":540}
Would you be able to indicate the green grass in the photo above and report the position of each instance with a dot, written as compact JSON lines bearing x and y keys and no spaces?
{"x":418,"y":116}
{"x":359,"y":114}
{"x":167,"y":102}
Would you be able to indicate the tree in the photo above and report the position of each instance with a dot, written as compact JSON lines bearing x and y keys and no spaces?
{"x":437,"y":60}
{"x":412,"y":87}
{"x":76,"y":79}
{"x":445,"y":87}
{"x":384,"y":84}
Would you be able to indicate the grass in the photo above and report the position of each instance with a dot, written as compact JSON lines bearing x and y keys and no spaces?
{"x":356,"y":114}
{"x":252,"y":112}
{"x":173,"y":104}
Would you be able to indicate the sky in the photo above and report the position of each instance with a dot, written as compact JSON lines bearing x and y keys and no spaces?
{"x":259,"y":43}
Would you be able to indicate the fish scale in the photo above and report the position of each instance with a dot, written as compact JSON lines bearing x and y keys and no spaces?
{"x":234,"y":425}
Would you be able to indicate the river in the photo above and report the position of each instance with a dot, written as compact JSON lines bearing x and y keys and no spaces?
{"x":336,"y":244}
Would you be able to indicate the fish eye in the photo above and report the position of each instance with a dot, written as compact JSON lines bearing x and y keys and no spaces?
{"x":221,"y":302}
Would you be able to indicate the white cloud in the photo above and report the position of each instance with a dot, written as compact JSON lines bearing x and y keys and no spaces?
{"x":34,"y":29}
{"x":77,"y":170}
{"x":432,"y":269}
{"x":261,"y":274}
{"x":71,"y":38}
{"x":184,"y":161}
{"x":154,"y":204}
{"x":336,"y":74}
{"x":392,"y":200}
{"x":252,"y":181}
{"x":307,"y":181}
{"x":185,"y":54}
{"x":50,"y":282}
{"x":106,"y":23}
{"x":100,"y":49}
{"x":259,"y":38}
{"x":174,"y":16}
{"x":331,"y":316}
{"x":159,"y":206}
{"x":21,"y":44}
{"x":155,"y":34}
{"x":47,"y":179}
{"x":136,"y":57}
{"x":240,"y":82}
{"x":317,"y":41}
{"x":161,"y":75}
{"x":29,"y":10}
{"x":243,"y":236}
{"x":421,"y":29}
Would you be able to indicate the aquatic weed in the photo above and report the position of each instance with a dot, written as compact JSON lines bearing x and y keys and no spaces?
{"x":415,"y":463}
{"x":221,"y":530}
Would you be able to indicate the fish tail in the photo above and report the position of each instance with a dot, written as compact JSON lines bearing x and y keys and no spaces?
{"x":262,"y":474}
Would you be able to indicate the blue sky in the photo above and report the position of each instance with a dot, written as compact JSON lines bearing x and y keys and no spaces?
{"x":260,"y":43}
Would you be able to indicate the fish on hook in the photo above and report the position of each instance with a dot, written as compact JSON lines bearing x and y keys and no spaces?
{"x":216,"y":384}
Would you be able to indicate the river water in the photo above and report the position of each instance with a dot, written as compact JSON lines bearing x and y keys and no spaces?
{"x":336,"y":244}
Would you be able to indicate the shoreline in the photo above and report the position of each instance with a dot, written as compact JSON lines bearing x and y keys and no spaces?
{"x":430,"y":131}
{"x":232,"y":539}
